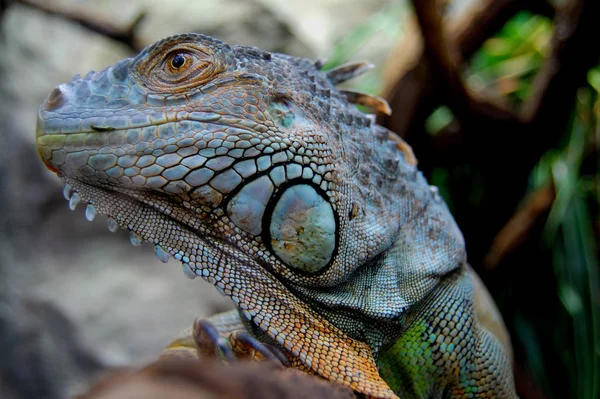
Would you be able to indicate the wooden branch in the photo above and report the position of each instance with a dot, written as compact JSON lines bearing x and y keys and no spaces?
{"x":543,"y":117}
{"x":444,"y":61}
{"x":415,"y":89}
{"x":518,"y":229}
{"x":553,"y":95}
{"x":186,"y":377}
{"x":489,"y":17}
{"x":126,"y":36}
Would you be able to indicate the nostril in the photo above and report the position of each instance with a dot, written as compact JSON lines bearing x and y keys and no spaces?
{"x":54,"y":99}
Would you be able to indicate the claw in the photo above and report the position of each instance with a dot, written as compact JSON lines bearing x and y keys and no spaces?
{"x":278,"y":354}
{"x":245,"y":345}
{"x":209,"y":342}
{"x":224,"y":336}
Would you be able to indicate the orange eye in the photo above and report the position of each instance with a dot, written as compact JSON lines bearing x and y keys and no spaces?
{"x":179,"y":62}
{"x":178,"y":67}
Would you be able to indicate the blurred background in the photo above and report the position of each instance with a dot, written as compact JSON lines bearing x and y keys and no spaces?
{"x":499,"y":99}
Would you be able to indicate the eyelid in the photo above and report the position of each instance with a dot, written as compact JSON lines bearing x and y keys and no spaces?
{"x":195,"y":53}
{"x":157,"y":73}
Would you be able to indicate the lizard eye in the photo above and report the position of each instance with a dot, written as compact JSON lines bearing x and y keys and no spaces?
{"x":179,"y":62}
{"x":179,"y":67}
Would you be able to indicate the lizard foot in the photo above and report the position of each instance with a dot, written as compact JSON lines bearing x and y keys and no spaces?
{"x":210,"y":343}
{"x":239,"y":344}
{"x":218,"y":337}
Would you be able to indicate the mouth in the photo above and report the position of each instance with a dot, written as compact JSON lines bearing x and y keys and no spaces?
{"x":45,"y":157}
{"x":72,"y":148}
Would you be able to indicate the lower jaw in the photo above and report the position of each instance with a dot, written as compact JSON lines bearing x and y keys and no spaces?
{"x":148,"y":216}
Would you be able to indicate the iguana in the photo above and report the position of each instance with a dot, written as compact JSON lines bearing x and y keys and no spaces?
{"x":261,"y":177}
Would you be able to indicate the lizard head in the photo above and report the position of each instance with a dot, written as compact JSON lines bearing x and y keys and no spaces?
{"x":255,"y":172}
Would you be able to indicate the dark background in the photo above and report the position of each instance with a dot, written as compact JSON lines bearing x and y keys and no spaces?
{"x":499,"y":99}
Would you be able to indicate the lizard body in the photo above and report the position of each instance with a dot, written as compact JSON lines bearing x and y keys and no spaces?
{"x":251,"y":169}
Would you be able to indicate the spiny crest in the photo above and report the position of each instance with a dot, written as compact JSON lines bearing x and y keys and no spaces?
{"x":347,"y":71}
{"x":368,"y":100}
{"x":350,"y":70}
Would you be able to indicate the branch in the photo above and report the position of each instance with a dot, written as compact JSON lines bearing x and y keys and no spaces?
{"x":444,"y":64}
{"x":544,"y":115}
{"x":520,"y":227}
{"x":468,"y":32}
{"x":184,"y":376}
{"x":126,"y":36}
{"x":549,"y":108}
{"x":489,"y":17}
